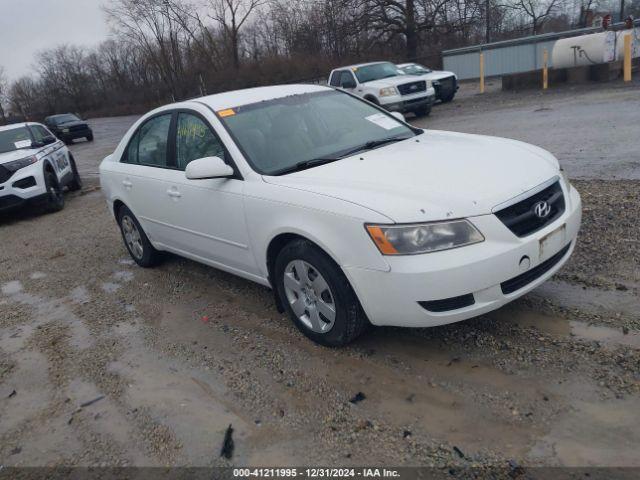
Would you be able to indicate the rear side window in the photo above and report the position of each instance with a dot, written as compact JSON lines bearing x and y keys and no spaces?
{"x":149,"y":144}
{"x":195,"y":139}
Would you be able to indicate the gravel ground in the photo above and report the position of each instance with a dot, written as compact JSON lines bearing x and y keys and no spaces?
{"x":105,"y":363}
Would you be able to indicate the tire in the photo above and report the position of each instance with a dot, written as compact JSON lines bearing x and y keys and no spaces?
{"x":423,"y":111}
{"x":310,"y":283}
{"x":136,"y":241}
{"x":76,"y":183}
{"x":373,"y":100}
{"x":54,"y":199}
{"x":448,"y":98}
{"x":90,"y":137}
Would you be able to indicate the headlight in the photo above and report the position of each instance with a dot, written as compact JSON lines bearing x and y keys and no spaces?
{"x":18,"y":164}
{"x":423,"y":238}
{"x":388,"y":91}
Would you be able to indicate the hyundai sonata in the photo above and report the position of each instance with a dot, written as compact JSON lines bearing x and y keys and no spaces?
{"x":349,"y":214}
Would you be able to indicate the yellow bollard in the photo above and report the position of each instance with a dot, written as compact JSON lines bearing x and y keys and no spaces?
{"x":481,"y":72}
{"x":627,"y":58}
{"x":545,"y":69}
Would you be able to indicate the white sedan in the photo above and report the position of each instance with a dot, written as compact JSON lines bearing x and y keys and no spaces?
{"x":348,"y":213}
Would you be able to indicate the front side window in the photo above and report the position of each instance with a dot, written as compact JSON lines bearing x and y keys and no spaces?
{"x":279,"y":134}
{"x":14,"y":139}
{"x":347,"y":78}
{"x":195,"y":139}
{"x":377,"y":71}
{"x":149,"y":145}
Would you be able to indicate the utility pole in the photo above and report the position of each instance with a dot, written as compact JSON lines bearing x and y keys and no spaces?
{"x":487,"y":35}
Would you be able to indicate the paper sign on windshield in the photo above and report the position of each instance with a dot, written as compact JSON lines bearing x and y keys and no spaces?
{"x":22,"y":144}
{"x":383,"y":121}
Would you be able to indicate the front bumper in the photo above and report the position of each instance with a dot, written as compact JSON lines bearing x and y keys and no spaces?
{"x":411,"y":103}
{"x":73,"y":134}
{"x":391,"y":298}
{"x":12,"y":195}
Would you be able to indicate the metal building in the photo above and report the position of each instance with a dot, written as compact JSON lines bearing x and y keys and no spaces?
{"x":509,"y":56}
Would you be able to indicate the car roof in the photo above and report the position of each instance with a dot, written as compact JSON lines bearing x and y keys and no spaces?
{"x":237,"y":98}
{"x":360,"y":65}
{"x":17,"y":125}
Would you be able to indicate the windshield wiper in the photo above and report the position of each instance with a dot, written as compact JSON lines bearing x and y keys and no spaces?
{"x":314,"y":162}
{"x":324,"y":160}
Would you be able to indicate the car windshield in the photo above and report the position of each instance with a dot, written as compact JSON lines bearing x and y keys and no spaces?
{"x":67,"y":117}
{"x":415,"y":69}
{"x":14,"y":139}
{"x":376,"y":71}
{"x":301,"y":131}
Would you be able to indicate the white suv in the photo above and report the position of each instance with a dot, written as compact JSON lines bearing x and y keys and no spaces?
{"x":349,"y":214}
{"x":34,"y":167}
{"x":386,"y":85}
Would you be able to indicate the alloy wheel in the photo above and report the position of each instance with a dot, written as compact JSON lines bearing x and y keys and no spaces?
{"x":309,"y":296}
{"x":132,"y":237}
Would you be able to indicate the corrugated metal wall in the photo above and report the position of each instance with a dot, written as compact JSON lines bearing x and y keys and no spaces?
{"x":499,"y":61}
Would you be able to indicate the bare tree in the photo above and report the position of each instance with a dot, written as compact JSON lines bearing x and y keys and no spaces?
{"x":4,"y":93}
{"x":536,"y":11}
{"x":231,"y":16}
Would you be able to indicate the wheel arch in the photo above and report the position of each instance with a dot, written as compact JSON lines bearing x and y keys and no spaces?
{"x":371,"y":98}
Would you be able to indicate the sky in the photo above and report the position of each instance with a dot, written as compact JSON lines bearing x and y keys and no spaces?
{"x":29,"y":26}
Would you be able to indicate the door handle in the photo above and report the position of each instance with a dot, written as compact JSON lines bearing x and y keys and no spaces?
{"x":174,"y":193}
{"x":127,"y":183}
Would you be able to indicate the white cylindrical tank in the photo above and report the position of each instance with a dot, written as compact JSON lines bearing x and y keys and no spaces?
{"x":635,"y":43}
{"x":584,"y":50}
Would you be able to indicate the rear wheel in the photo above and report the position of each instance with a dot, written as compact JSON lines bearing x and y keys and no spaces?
{"x":136,"y":240}
{"x":317,"y":295}
{"x":76,"y":183}
{"x":54,"y":200}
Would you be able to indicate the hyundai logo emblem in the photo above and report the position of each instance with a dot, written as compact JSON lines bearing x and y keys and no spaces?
{"x":542,"y":209}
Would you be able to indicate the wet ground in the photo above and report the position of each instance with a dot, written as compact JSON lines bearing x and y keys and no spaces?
{"x":105,"y":363}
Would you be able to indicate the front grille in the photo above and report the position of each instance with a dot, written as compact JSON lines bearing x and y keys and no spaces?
{"x":446,"y":304}
{"x":522,"y":280}
{"x":5,"y":174}
{"x":520,"y":217}
{"x":9,"y":201}
{"x":413,"y":87}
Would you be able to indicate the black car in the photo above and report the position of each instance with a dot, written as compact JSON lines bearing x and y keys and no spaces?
{"x":67,"y":127}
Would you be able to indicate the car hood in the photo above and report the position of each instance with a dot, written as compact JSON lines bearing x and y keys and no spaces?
{"x":17,"y":154}
{"x":392,"y":81}
{"x":434,"y":176}
{"x":437,"y":75}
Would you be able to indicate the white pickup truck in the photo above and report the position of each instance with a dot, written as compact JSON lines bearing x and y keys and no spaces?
{"x":386,"y":85}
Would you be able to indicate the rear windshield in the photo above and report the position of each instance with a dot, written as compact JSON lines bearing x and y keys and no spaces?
{"x":15,"y":139}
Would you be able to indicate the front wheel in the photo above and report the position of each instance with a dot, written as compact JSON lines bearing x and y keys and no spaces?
{"x":317,"y":295}
{"x":448,"y":98}
{"x":136,"y":240}
{"x":90,"y":137}
{"x":423,"y":111}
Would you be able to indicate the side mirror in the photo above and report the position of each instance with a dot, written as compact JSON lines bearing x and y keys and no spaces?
{"x":398,"y":115}
{"x":49,"y":140}
{"x":207,"y":167}
{"x":349,"y":84}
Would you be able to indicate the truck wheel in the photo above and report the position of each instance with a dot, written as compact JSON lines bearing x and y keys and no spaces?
{"x":76,"y":183}
{"x":317,"y":295}
{"x":448,"y":98}
{"x":423,"y":111}
{"x":54,"y":200}
{"x":90,"y":137}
